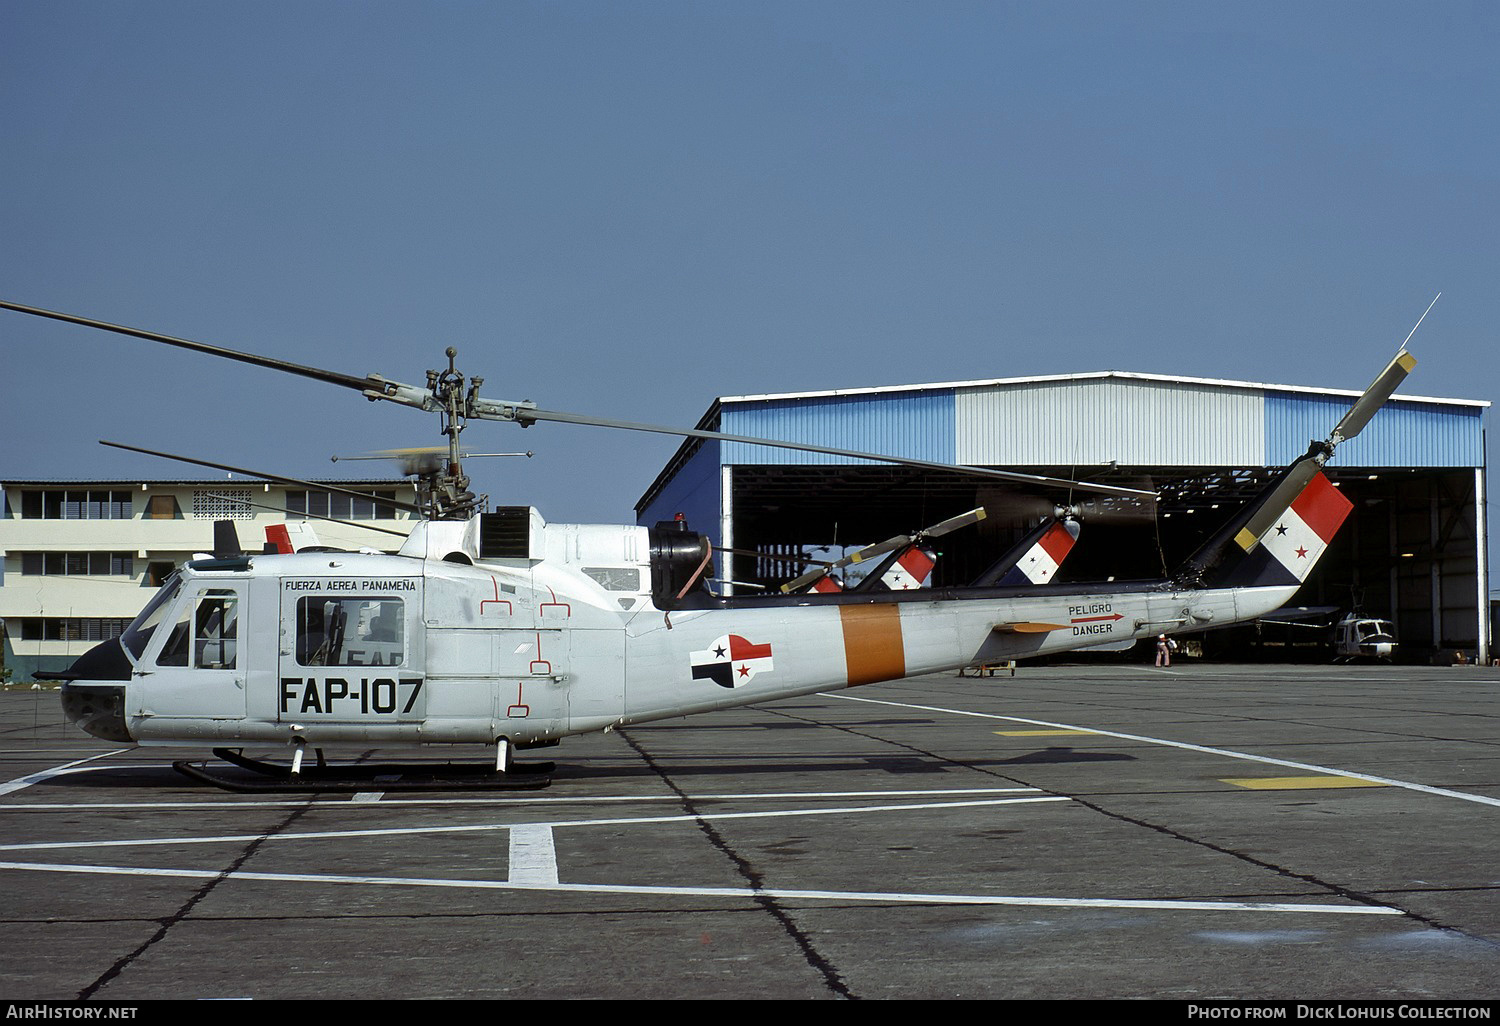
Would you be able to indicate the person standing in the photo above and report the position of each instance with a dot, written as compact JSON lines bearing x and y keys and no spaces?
{"x":1164,"y":647}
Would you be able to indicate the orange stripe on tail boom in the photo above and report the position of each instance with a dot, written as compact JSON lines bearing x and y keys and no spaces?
{"x":873,"y":649}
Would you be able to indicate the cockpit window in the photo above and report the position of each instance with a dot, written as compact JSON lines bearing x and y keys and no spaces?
{"x":216,"y":630}
{"x":139,"y":632}
{"x":208,"y":629}
{"x":350,"y":631}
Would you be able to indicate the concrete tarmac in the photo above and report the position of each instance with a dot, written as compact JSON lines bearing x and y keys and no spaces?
{"x":1085,"y":831}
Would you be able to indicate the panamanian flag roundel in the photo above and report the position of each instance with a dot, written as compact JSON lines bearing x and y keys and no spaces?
{"x":731,"y":661}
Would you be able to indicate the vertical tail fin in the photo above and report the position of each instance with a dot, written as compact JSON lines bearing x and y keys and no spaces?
{"x":1035,"y":559}
{"x":903,"y":570}
{"x":1286,"y":552}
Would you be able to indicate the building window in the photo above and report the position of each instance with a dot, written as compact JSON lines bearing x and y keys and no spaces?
{"x":163,"y":507}
{"x":76,"y":504}
{"x":341,"y":507}
{"x":222,"y":504}
{"x":71,"y":628}
{"x":78,"y":564}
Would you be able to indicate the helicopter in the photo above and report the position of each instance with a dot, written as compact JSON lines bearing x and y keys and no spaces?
{"x":1354,"y":636}
{"x":498,"y":628}
{"x":1364,"y":637}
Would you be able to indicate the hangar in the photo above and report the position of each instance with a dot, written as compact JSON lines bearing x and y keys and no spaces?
{"x":1414,"y":550}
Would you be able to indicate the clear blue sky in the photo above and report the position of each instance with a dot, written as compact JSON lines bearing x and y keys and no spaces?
{"x":630,"y":208}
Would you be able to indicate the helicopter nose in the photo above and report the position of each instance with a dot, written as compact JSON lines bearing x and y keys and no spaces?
{"x":93,"y":690}
{"x":97,"y":708}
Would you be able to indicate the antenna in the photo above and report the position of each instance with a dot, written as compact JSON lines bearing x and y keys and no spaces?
{"x":1414,"y":327}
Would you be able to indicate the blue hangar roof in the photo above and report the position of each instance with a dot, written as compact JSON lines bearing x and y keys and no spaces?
{"x":1134,"y":420}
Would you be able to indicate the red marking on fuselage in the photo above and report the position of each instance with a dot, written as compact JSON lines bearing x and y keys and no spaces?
{"x":566,"y":607}
{"x":520,"y":709}
{"x":509,"y":609}
{"x":539,"y":661}
{"x":740,"y":649}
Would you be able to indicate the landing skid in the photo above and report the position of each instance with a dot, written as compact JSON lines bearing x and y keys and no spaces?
{"x":277,"y":779}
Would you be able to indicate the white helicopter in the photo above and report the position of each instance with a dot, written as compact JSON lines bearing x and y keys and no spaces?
{"x":1355,"y":636}
{"x":500,"y":629}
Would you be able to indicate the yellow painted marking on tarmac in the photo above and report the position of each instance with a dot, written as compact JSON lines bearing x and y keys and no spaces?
{"x":1297,"y":783}
{"x":1041,"y":733}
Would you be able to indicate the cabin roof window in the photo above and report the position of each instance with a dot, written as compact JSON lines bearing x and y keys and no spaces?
{"x":615,"y":578}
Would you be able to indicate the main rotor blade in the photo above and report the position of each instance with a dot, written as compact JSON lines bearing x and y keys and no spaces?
{"x":529,"y":415}
{"x":313,"y":485}
{"x":316,"y":373}
{"x":374,"y":386}
{"x":318,"y":516}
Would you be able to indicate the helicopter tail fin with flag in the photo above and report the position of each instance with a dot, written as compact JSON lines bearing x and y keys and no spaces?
{"x":902,"y":570}
{"x":1285,"y":553}
{"x":1036,"y":558}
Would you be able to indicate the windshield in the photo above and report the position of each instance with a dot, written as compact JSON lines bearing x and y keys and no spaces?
{"x":138,"y":633}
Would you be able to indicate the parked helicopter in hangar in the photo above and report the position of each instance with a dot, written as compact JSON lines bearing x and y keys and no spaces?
{"x":501,"y":629}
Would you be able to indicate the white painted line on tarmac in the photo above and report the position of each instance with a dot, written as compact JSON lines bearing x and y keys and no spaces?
{"x":12,"y":786}
{"x":533,"y":858}
{"x":481,"y":827}
{"x":740,"y":893}
{"x":418,"y":803}
{"x":1442,"y":792}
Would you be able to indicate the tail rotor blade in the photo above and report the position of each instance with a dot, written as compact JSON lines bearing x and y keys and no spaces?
{"x":798,"y":583}
{"x":878,"y":549}
{"x":953,"y":524}
{"x":1374,"y":397}
{"x":1278,"y":502}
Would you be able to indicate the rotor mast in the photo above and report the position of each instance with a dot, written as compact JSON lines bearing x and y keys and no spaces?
{"x":444,"y":490}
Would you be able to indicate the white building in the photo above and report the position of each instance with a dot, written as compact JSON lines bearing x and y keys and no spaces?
{"x":79,"y":559}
